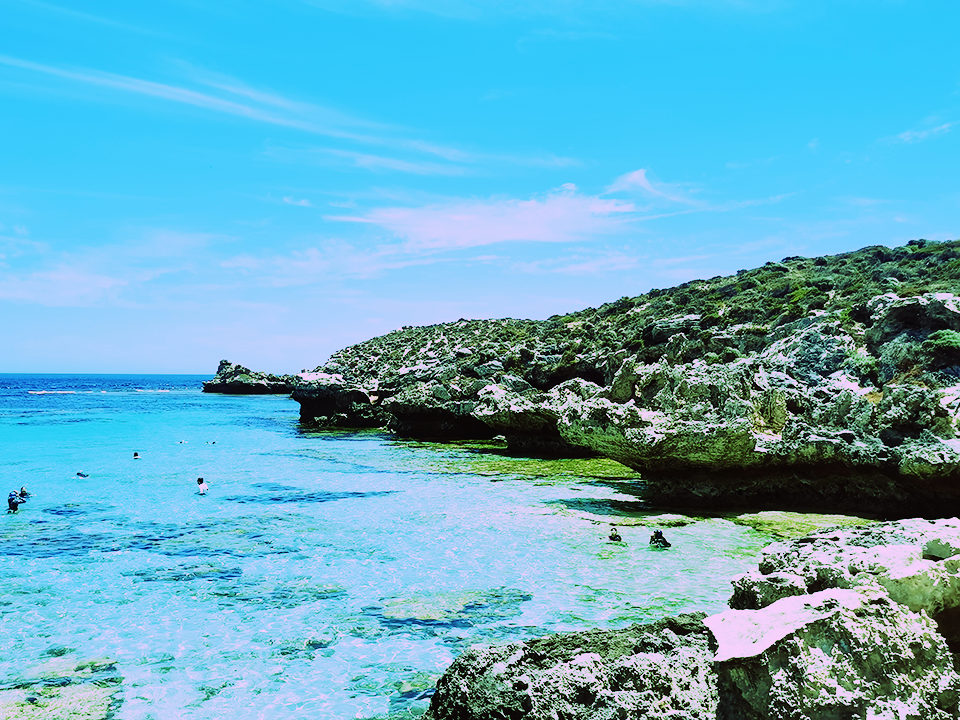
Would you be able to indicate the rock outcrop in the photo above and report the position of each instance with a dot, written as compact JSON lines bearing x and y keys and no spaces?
{"x":854,"y":623}
{"x":827,"y":384}
{"x":647,"y":672}
{"x":233,"y":379}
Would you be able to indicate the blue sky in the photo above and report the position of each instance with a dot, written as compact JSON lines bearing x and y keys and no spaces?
{"x":189,"y":180}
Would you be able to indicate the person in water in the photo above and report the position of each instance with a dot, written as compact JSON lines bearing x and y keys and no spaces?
{"x":658,"y":540}
{"x":23,"y":492}
{"x":202,"y":487}
{"x":614,"y":535}
{"x":14,"y":501}
{"x":82,"y":474}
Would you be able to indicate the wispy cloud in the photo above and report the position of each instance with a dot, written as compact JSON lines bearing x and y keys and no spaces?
{"x":570,"y":9}
{"x":62,"y":286}
{"x":327,"y":260}
{"x":559,"y":216}
{"x":303,"y":202}
{"x":911,"y":137}
{"x":223,"y":94}
{"x":637,"y":181}
{"x":88,"y":18}
{"x":367,"y":161}
{"x":116,"y":274}
{"x":863,"y":202}
{"x":562,"y":215}
{"x":173,"y":93}
{"x":584,"y":264}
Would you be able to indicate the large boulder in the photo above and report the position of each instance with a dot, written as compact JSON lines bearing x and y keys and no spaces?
{"x":648,"y":672}
{"x":916,"y":562}
{"x":832,"y":655}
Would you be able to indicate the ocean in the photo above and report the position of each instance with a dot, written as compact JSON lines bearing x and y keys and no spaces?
{"x":324,"y":575}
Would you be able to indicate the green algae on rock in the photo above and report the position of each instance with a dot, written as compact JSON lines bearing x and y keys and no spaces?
{"x":786,"y":525}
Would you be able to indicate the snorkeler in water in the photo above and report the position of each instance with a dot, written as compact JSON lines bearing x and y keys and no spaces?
{"x":658,"y":540}
{"x":14,"y":501}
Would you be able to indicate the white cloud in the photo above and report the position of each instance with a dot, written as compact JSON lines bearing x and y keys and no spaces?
{"x":233,"y":97}
{"x":911,"y":137}
{"x":560,"y":216}
{"x":301,"y":203}
{"x":637,"y":181}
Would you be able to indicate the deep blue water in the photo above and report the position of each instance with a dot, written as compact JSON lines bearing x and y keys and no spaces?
{"x":325,"y":575}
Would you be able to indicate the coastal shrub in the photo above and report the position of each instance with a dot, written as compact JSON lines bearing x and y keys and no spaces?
{"x":943,"y":348}
{"x":864,"y":366}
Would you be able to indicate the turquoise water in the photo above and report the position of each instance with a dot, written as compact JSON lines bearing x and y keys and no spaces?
{"x":323,"y":576}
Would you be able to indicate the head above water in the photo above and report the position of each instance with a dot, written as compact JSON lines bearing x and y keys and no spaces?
{"x":136,"y":455}
{"x":199,"y":481}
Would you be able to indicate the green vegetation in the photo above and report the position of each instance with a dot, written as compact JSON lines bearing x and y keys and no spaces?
{"x":721,"y":319}
{"x":943,"y":348}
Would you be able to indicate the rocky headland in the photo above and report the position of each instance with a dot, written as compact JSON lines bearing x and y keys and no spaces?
{"x":234,"y":379}
{"x":843,"y":623}
{"x":829,"y":384}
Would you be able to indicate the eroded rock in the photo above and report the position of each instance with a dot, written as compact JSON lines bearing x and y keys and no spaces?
{"x":646,"y":672}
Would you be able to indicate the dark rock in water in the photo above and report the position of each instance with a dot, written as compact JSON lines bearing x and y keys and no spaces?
{"x":233,"y":379}
{"x":828,"y":384}
{"x":844,"y":623}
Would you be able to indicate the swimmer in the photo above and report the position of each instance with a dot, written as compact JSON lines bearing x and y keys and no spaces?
{"x":23,"y":492}
{"x":658,"y":540}
{"x":14,"y":501}
{"x":82,"y":474}
{"x":202,"y":487}
{"x":614,"y":535}
{"x":136,"y":456}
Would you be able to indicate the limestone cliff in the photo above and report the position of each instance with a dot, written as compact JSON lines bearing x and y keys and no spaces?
{"x":829,"y":383}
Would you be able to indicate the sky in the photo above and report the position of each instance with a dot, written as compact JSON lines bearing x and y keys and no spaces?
{"x":183,"y":181}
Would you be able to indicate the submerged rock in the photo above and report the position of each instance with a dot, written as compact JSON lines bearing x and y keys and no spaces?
{"x":785,"y":525}
{"x":64,"y":688}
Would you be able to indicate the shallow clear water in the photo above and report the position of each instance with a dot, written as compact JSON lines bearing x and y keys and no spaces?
{"x":324,"y":575}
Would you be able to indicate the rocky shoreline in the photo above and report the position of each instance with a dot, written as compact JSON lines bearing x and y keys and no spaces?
{"x":820,"y":384}
{"x":843,"y":623}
